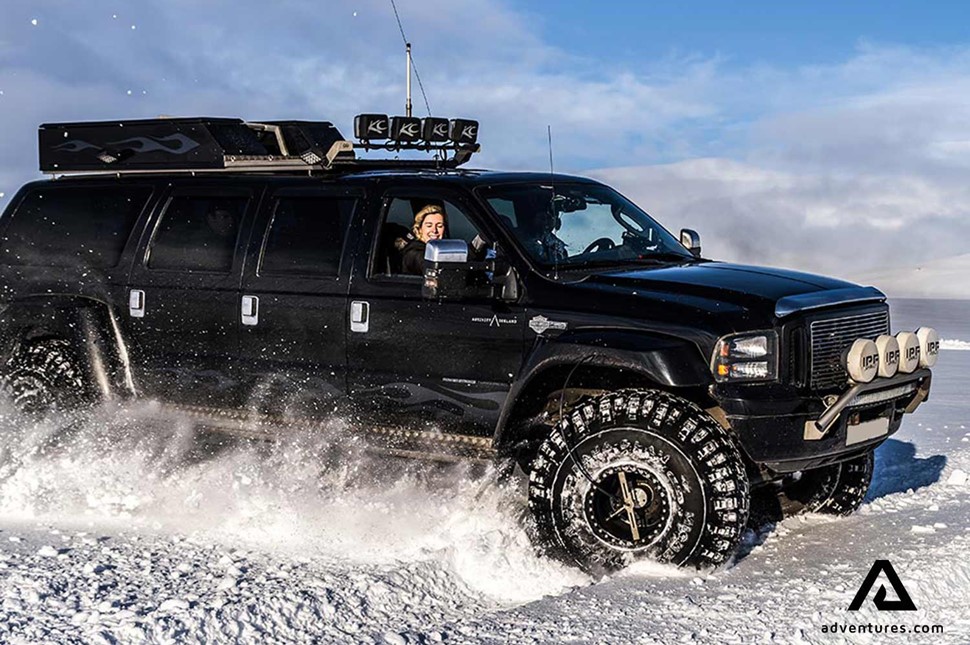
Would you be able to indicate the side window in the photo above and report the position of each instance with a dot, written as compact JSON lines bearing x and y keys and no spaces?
{"x":198,"y":233}
{"x":306,"y":236}
{"x":505,"y":209}
{"x":396,"y":230}
{"x":72,"y":226}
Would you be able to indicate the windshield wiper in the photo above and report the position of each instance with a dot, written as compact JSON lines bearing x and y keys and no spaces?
{"x":653,"y":258}
{"x":666,"y":256}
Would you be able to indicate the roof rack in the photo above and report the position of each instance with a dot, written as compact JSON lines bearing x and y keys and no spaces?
{"x":204,"y":144}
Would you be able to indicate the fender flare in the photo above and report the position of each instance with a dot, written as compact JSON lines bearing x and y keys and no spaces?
{"x":88,"y":322}
{"x":666,"y":361}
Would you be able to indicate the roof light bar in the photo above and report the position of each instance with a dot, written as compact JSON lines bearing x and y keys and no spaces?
{"x":430,"y":134}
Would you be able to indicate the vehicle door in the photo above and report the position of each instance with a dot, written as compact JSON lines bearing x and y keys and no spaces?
{"x":183,"y":295}
{"x":445,"y":365}
{"x":294,"y":301}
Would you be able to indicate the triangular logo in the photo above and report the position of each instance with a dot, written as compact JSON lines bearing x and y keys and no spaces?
{"x":904,"y":602}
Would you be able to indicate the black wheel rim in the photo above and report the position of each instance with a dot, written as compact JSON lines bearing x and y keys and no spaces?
{"x":628,"y":507}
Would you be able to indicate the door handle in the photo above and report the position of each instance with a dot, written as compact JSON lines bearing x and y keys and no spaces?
{"x":136,"y":303}
{"x":359,"y":316}
{"x":250,"y":310}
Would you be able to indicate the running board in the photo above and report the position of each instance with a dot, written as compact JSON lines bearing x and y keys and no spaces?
{"x":390,"y":440}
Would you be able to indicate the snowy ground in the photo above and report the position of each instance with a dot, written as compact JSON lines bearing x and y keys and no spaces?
{"x":121,"y":530}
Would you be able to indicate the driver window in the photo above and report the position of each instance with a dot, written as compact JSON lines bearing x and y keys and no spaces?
{"x":399,"y":250}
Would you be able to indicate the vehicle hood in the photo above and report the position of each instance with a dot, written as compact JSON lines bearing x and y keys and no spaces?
{"x":729,"y":280}
{"x":718,"y":286}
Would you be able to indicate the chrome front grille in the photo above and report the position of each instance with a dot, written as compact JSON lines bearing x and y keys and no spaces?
{"x":832,"y":337}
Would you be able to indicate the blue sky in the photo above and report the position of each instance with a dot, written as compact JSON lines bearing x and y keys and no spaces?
{"x":826,"y":136}
{"x":745,"y":33}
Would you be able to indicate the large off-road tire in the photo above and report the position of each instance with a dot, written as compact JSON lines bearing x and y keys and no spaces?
{"x":43,"y":375}
{"x":639,"y":458}
{"x":839,"y":489}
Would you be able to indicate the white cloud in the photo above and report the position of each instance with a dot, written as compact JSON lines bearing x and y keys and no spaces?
{"x":476,"y":59}
{"x":849,"y":226}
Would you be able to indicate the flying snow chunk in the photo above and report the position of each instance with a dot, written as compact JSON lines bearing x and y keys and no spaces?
{"x":960,"y":345}
{"x":33,"y":21}
{"x":174,"y":604}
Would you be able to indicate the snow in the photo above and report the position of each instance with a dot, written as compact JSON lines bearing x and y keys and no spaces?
{"x":119,"y":528}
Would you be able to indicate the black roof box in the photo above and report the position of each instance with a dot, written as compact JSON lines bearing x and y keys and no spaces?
{"x":196,"y":143}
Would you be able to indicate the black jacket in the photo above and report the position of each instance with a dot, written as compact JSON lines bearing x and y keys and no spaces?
{"x":412,"y":257}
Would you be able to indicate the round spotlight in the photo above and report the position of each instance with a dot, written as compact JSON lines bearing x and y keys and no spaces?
{"x":888,"y":355}
{"x":862,"y":361}
{"x":929,"y":346}
{"x":908,"y":351}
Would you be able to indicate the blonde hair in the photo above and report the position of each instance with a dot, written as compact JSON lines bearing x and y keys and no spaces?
{"x":430,"y":209}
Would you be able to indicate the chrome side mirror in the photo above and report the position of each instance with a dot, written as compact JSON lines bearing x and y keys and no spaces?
{"x":445,"y":269}
{"x":691,"y":241}
{"x":449,"y":273}
{"x":446,"y":251}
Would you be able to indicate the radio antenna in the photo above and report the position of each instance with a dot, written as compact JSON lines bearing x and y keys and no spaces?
{"x":407,"y":46}
{"x":552,"y":201}
{"x":407,"y":104}
{"x":552,"y":170}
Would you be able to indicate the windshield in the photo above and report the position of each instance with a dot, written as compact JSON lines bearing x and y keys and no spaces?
{"x":575,"y":225}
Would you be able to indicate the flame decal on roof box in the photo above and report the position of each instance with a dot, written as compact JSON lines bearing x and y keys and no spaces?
{"x":144,"y":144}
{"x":157,"y":144}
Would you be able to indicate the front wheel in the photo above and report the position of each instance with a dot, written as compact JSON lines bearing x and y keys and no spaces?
{"x":838,"y":489}
{"x":638,"y":474}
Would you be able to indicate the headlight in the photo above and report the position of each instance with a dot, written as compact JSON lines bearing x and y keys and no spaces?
{"x":746,"y":357}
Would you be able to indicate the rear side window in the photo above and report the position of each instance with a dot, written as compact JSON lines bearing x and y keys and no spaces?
{"x":306,"y":236}
{"x":72,"y":226}
{"x":198,"y":233}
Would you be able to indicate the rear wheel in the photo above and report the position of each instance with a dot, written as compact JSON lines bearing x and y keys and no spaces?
{"x":638,"y":474}
{"x":43,"y":375}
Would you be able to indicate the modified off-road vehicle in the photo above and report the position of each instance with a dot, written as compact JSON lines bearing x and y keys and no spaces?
{"x":251,"y":273}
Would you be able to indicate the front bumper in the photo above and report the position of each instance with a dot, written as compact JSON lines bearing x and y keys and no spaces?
{"x":862,"y":418}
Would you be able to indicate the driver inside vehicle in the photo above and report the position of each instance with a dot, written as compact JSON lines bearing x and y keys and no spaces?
{"x":539,"y":231}
{"x":430,"y":223}
{"x":578,"y":225}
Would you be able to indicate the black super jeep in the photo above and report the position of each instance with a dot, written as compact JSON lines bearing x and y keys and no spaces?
{"x":251,"y":273}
